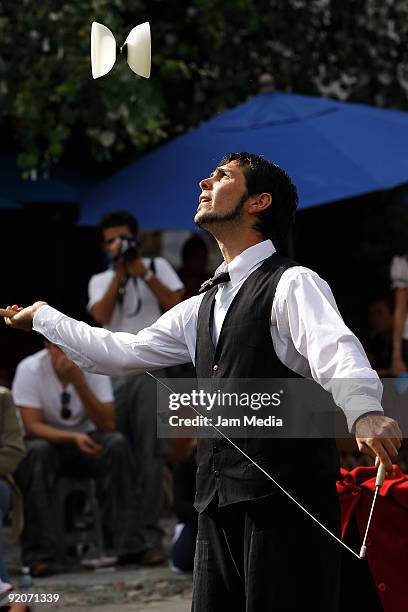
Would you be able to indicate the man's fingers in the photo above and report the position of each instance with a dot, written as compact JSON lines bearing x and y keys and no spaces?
{"x":386,"y":461}
{"x":15,"y":307}
{"x":365,"y":449}
{"x":93,"y":445}
{"x":89,"y":451}
{"x":398,"y":433}
{"x":382,"y":445}
{"x":390,"y":447}
{"x":9,"y":311}
{"x":392,"y":432}
{"x":90,"y":443}
{"x":380,"y":437}
{"x":378,"y":452}
{"x":90,"y":448}
{"x":95,"y":451}
{"x":389,"y":471}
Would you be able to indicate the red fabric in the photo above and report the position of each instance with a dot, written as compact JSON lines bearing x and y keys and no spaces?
{"x":387,"y":543}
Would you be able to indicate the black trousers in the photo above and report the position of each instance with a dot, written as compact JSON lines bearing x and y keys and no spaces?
{"x":267,"y":555}
{"x":116,"y":471}
{"x":135,"y":401}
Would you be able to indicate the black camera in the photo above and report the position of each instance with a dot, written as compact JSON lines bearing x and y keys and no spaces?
{"x":129,"y":249}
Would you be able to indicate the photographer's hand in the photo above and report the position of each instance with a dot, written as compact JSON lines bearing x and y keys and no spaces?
{"x":102,"y":311}
{"x":136,"y":267}
{"x":120,"y":269}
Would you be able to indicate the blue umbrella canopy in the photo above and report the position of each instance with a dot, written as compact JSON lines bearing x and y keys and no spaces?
{"x":61,"y":188}
{"x":332,"y":150}
{"x":6,"y":204}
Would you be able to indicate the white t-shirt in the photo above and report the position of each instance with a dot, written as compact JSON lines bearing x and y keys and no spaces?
{"x":140,"y":307}
{"x":36,"y":385}
{"x":399,"y":278}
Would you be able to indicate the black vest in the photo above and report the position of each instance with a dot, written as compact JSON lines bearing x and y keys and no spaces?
{"x":245,"y":350}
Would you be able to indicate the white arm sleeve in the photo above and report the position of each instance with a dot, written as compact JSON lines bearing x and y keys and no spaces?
{"x":308,"y":321}
{"x":116,"y":353}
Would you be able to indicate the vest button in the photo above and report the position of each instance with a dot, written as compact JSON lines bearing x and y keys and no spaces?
{"x":215,"y":368}
{"x":382,"y":586}
{"x":216,"y":473}
{"x":215,"y":449}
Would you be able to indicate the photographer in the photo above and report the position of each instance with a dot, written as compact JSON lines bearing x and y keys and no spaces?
{"x":129,"y":296}
{"x":134,"y":291}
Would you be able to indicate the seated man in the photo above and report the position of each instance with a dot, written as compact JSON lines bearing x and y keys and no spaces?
{"x":69,"y":423}
{"x":12,"y":452}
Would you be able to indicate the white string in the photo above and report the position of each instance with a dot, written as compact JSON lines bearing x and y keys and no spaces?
{"x":266,"y":474}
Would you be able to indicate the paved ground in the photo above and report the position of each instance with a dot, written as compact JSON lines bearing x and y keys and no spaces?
{"x":156,"y":589}
{"x":110,"y":589}
{"x":176,"y":605}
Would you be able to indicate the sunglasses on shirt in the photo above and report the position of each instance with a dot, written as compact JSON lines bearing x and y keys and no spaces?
{"x":66,"y":413}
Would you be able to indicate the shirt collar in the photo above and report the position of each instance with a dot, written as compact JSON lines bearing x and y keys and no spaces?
{"x":243,"y":263}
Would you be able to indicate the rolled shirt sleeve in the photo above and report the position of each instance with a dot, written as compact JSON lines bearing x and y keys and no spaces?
{"x":312,"y":339}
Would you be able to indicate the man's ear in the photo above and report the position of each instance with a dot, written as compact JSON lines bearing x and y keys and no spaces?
{"x":260,"y":203}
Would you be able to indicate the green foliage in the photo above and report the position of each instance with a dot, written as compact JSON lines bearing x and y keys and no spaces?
{"x":208,"y":55}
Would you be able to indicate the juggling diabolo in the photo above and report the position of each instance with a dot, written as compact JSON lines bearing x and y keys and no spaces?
{"x":136,"y":48}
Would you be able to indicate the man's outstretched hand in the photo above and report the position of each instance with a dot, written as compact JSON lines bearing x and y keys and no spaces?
{"x":380,"y":437}
{"x":23,"y":319}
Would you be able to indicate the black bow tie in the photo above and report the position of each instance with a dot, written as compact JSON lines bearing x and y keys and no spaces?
{"x":223,"y":277}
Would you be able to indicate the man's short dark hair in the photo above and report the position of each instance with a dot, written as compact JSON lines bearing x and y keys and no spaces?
{"x":116,"y":218}
{"x":263,"y":176}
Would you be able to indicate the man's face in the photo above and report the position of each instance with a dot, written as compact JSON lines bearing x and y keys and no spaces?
{"x":222,"y":195}
{"x":111,"y":238}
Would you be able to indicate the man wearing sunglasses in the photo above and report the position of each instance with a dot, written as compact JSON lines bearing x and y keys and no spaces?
{"x":69,"y":423}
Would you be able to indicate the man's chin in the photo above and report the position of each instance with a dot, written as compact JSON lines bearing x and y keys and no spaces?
{"x":201,"y":219}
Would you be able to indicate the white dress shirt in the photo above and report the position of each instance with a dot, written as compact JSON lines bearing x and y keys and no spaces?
{"x":308,"y":334}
